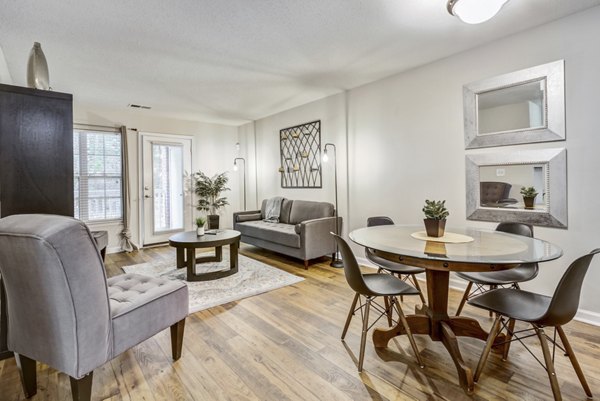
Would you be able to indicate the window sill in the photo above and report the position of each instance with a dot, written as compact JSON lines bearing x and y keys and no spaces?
{"x":106,"y":223}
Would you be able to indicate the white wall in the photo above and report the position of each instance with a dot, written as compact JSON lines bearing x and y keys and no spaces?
{"x":406,"y":142}
{"x":5,"y":77}
{"x":332,"y":113}
{"x":213,"y":152}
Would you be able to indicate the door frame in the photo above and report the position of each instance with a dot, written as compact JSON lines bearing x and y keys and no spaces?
{"x":141,"y":203}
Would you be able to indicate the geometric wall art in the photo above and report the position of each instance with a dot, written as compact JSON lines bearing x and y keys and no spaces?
{"x":300,"y":151}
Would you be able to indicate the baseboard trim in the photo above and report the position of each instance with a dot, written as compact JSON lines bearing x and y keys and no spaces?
{"x":584,"y":316}
{"x":113,"y":249}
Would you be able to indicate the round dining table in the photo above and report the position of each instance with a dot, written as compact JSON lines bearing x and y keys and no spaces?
{"x":476,"y":251}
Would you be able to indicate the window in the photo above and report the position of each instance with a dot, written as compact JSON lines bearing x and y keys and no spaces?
{"x":98,"y":175}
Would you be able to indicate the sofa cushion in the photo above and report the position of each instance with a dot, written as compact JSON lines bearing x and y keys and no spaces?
{"x":139,"y":305}
{"x":284,"y":214}
{"x":248,"y":217}
{"x":275,"y":232}
{"x":308,"y":210}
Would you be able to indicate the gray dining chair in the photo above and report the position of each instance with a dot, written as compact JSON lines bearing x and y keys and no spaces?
{"x":371,"y":286}
{"x":486,"y":281}
{"x":404,"y":272}
{"x":62,"y":311}
{"x":539,"y":311}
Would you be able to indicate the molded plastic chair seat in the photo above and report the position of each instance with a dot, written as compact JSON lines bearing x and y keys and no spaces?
{"x":403,"y":271}
{"x":386,"y":285}
{"x":493,"y":280}
{"x":394,"y":267}
{"x":518,"y":304}
{"x":519,"y":274}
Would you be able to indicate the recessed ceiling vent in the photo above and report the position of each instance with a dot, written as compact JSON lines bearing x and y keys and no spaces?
{"x":139,"y":106}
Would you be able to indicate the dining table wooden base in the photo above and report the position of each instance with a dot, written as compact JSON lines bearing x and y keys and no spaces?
{"x":433,"y":320}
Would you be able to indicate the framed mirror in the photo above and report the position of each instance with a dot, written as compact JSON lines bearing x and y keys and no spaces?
{"x":495,"y":182}
{"x":520,"y":107}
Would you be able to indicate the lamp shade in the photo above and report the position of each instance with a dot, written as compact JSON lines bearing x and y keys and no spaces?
{"x":475,"y":11}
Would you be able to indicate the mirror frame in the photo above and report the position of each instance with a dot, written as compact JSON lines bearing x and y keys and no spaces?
{"x":552,"y":130}
{"x":555,"y":161}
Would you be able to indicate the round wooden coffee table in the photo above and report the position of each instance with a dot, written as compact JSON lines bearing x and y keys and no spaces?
{"x":186,"y":244}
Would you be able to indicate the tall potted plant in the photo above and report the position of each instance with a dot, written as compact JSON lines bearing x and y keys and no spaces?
{"x":209,"y":191}
{"x":435,"y":217}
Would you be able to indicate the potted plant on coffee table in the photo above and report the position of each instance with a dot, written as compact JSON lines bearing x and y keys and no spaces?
{"x":209,"y":191}
{"x":529,"y":194}
{"x":200,"y":222}
{"x":435,"y":217}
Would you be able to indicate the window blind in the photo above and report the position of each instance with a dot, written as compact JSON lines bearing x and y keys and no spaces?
{"x":98,"y":175}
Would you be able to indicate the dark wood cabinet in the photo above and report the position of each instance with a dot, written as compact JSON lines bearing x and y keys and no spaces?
{"x":36,"y":159}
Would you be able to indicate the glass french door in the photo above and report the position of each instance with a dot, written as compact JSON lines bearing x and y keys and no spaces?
{"x":167,"y":205}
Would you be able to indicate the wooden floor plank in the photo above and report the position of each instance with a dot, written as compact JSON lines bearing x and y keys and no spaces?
{"x":285,"y":345}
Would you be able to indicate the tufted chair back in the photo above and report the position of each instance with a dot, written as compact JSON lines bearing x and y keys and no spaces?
{"x":492,"y":191}
{"x":57,"y":299}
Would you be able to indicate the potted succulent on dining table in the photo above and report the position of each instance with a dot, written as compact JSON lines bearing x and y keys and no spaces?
{"x":529,"y":194}
{"x":200,"y":222}
{"x":435,"y":217}
{"x":209,"y":191}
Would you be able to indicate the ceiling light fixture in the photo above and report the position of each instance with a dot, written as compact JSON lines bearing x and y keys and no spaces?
{"x":474,"y":11}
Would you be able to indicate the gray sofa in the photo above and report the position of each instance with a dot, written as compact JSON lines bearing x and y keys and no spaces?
{"x":302,"y":231}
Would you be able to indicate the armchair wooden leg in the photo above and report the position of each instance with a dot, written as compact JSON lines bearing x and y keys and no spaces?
{"x":28,"y":375}
{"x":464,"y":298}
{"x":574,"y":362}
{"x":177,"y":338}
{"x":306,"y":265}
{"x":549,"y":363}
{"x":81,"y":389}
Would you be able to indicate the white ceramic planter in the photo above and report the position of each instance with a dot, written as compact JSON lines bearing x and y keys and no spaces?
{"x":200,"y":231}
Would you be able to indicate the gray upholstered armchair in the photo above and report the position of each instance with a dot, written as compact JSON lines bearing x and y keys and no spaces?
{"x":62,"y":310}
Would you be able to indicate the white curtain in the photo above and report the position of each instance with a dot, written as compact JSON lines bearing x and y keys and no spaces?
{"x":126,"y":243}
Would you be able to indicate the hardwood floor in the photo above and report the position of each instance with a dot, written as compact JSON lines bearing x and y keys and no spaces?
{"x":285,"y":345}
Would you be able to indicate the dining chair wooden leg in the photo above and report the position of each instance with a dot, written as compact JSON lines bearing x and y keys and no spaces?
{"x":363,"y":337}
{"x":574,"y":362}
{"x":492,"y":287}
{"x":350,"y":314}
{"x":413,"y":344}
{"x":488,"y":347}
{"x":418,"y":287}
{"x":509,"y":334}
{"x":549,"y":363}
{"x":464,"y":298}
{"x":388,"y":310}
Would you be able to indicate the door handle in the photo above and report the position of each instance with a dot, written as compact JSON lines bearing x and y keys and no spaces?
{"x":147,"y":196}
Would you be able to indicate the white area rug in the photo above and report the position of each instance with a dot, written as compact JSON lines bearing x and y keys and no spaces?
{"x":253,"y":277}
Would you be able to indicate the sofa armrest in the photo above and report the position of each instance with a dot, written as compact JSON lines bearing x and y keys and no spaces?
{"x":246,"y":213}
{"x":315,"y":236}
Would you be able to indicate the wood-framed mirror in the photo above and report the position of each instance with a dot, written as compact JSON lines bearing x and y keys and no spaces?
{"x":495,"y":180}
{"x":524,"y":106}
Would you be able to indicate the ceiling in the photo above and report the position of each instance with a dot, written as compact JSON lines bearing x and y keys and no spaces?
{"x":232,"y":61}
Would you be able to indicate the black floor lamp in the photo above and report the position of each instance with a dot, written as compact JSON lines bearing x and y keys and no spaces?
{"x":235,"y":168}
{"x":335,"y":261}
